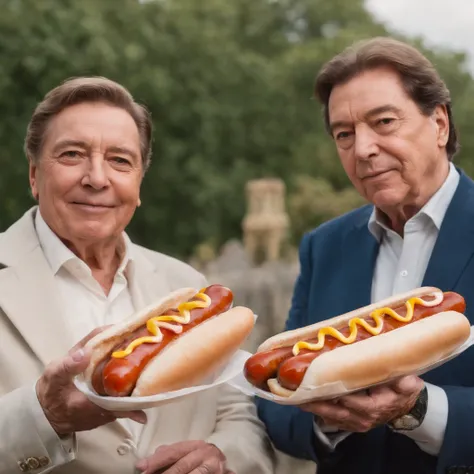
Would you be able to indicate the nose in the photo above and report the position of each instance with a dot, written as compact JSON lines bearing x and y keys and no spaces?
{"x":366,"y":146}
{"x":95,"y":175}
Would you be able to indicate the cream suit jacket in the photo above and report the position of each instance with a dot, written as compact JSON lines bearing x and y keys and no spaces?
{"x":33,"y":332}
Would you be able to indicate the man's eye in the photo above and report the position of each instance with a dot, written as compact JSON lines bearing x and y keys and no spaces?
{"x":120,"y":160}
{"x":70,"y":154}
{"x":386,"y":121}
{"x":342,"y":135}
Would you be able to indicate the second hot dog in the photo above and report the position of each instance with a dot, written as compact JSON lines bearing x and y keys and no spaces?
{"x":282,"y":362}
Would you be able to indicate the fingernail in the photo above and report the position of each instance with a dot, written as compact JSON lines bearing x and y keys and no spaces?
{"x":142,"y":465}
{"x":78,"y":355}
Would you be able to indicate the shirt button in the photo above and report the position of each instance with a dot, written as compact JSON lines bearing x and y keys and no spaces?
{"x":403,"y":273}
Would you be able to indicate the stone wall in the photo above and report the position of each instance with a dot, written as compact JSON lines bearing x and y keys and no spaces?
{"x":267,"y":290}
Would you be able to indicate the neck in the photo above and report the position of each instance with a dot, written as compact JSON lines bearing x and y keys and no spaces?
{"x":398,"y":216}
{"x":103,"y":258}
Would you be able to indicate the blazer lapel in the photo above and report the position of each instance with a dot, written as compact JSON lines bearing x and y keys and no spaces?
{"x":29,"y":298}
{"x":455,"y":244}
{"x":147,"y":283}
{"x":359,"y":252}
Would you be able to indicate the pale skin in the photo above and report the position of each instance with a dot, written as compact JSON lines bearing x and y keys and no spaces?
{"x":87,"y":182}
{"x":396,"y":158}
{"x":187,"y":457}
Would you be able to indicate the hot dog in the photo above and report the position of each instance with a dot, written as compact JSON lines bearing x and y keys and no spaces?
{"x":363,"y":346}
{"x":174,"y":343}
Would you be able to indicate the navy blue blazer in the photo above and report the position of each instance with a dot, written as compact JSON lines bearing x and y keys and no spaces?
{"x":337,"y":261}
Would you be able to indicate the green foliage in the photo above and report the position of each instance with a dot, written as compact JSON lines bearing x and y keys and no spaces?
{"x":229,"y":85}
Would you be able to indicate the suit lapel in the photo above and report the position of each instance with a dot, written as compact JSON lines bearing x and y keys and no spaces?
{"x":359,"y":250}
{"x":147,"y":283}
{"x":29,"y":298}
{"x":455,"y":244}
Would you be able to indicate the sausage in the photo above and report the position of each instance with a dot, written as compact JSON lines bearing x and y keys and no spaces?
{"x":117,"y":377}
{"x":290,"y":369}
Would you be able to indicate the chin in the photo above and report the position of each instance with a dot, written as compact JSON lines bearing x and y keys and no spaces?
{"x":92,"y":232}
{"x":386,"y":199}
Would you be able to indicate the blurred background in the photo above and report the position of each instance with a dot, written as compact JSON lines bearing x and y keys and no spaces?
{"x":242,"y":165}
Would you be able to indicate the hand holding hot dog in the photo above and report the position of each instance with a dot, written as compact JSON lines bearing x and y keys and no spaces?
{"x":148,"y":353}
{"x":65,"y":407}
{"x":361,"y":411}
{"x":364,"y":347}
{"x":185,"y":457}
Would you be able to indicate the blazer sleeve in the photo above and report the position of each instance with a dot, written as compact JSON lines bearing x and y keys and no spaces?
{"x":28,"y":442}
{"x":457,"y":448}
{"x":291,"y":429}
{"x":240,"y":435}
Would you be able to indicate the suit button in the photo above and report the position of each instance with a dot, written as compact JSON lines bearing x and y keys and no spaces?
{"x":33,"y":463}
{"x":22,"y":466}
{"x":43,"y":461}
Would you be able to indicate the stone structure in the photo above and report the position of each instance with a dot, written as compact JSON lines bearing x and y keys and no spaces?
{"x":266,"y":224}
{"x":267,"y":286}
{"x":267,"y":289}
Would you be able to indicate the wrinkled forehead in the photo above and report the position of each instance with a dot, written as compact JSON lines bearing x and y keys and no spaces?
{"x":375,"y":89}
{"x":95,"y":124}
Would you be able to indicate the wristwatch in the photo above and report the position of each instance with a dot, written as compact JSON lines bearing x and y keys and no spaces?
{"x":414,"y":417}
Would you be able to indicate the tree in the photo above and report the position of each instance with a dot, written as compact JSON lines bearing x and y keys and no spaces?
{"x":229,"y":85}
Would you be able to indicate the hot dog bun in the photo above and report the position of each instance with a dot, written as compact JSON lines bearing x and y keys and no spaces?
{"x":190,"y":359}
{"x":388,"y":355}
{"x":378,"y":358}
{"x":288,"y":338}
{"x":198,"y":354}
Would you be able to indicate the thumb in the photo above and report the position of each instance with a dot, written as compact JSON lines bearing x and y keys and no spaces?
{"x":70,"y":366}
{"x":407,"y":385}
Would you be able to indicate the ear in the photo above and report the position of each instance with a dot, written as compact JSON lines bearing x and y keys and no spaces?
{"x":441,"y":119}
{"x":33,"y":168}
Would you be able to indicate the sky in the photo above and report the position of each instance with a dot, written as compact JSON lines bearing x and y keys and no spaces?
{"x":445,"y":23}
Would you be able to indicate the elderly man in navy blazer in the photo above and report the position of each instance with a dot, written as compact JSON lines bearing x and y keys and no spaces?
{"x":389,"y":114}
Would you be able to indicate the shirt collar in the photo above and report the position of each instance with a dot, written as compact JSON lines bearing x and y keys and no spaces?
{"x":435,"y":209}
{"x":58,"y":255}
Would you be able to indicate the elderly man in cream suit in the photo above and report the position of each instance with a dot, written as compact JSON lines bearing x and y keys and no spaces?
{"x":54,"y":293}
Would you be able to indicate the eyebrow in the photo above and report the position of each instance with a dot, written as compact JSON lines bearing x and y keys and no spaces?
{"x":122,"y":150}
{"x":371,"y":113}
{"x":66,"y":143}
{"x":81,"y":144}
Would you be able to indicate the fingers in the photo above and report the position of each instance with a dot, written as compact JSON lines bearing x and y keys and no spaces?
{"x":197,"y":457}
{"x":188,"y":464}
{"x":63,"y":371}
{"x":87,"y":338}
{"x":167,"y":455}
{"x":338,"y":415}
{"x":407,"y":385}
{"x":195,"y":463}
{"x":321,"y":409}
{"x":213,"y":466}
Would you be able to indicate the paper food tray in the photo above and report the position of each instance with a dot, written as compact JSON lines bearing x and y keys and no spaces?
{"x":337,"y":389}
{"x":233,"y":368}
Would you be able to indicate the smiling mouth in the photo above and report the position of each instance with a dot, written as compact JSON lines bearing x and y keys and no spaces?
{"x":86,"y":204}
{"x":376,"y":175}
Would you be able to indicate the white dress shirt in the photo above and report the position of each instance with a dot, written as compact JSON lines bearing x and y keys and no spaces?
{"x":86,"y":306}
{"x":400,"y":266}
